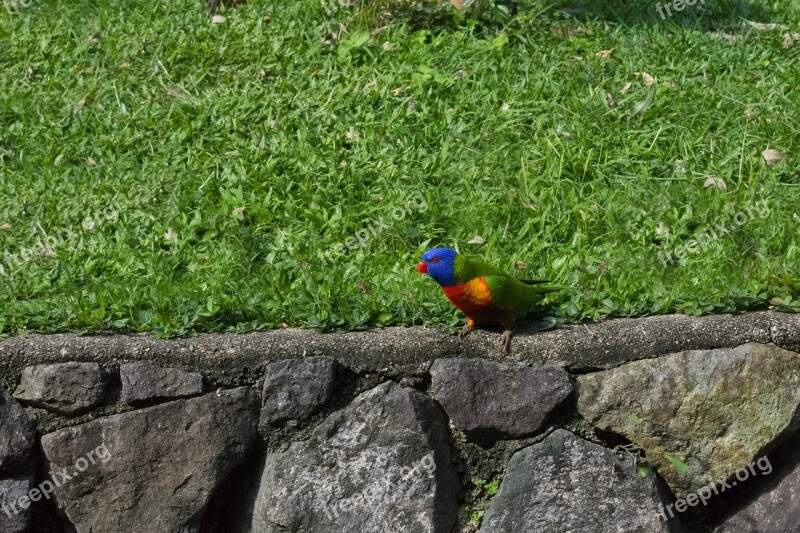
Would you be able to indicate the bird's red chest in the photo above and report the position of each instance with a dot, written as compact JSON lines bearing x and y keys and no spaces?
{"x":474,"y":299}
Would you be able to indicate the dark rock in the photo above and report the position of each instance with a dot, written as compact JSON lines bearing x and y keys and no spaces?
{"x":716,"y":410}
{"x":491,"y":401}
{"x":380,"y":464}
{"x":153,"y":469}
{"x":15,"y":512}
{"x":64,"y":388}
{"x":295,"y":388}
{"x":17,"y":435}
{"x":145,"y":381}
{"x":565,"y":483}
{"x":775,"y":508}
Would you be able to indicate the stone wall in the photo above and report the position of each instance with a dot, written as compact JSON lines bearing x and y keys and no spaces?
{"x":658,"y":424}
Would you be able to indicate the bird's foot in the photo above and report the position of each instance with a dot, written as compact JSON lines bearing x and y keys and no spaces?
{"x":505,"y":340}
{"x":466,"y":329}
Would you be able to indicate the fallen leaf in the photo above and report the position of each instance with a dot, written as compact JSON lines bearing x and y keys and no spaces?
{"x":397,"y":90}
{"x":610,"y":100}
{"x":458,"y":4}
{"x":532,"y":207}
{"x":172,"y":92}
{"x":565,"y":31}
{"x":648,"y":79}
{"x":520,"y":265}
{"x":124,"y":65}
{"x":30,"y":72}
{"x":387,"y":46}
{"x":727,"y":36}
{"x":790,"y":38}
{"x":714,"y":181}
{"x":90,"y":161}
{"x":773,"y":157}
{"x":218,"y":19}
{"x":661,"y":229}
{"x":477,"y":239}
{"x":605,"y":53}
{"x":6,"y":225}
{"x":625,"y":88}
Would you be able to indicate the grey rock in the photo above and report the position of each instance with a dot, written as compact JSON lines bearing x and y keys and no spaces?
{"x":143,"y":380}
{"x":565,"y":483}
{"x":155,"y":468}
{"x":491,"y":401}
{"x":295,"y":388}
{"x":775,"y":508}
{"x":14,"y":518}
{"x":64,"y":388}
{"x":381,"y":464}
{"x":716,"y":410}
{"x":17,"y":435}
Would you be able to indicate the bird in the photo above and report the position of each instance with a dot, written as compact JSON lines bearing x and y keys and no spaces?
{"x":483,"y":292}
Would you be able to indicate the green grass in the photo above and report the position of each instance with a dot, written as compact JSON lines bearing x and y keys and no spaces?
{"x":228,"y":158}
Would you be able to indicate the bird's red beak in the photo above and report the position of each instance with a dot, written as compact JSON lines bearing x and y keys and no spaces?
{"x":422,"y":267}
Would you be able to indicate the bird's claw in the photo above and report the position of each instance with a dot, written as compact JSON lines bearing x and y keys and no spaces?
{"x":505,"y":340}
{"x":465,"y":330}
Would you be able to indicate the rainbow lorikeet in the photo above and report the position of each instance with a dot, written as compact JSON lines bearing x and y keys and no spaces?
{"x":483,"y":292}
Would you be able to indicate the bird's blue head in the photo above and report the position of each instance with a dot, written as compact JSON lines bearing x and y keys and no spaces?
{"x":439,"y":263}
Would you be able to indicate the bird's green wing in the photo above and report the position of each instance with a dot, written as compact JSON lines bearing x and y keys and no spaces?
{"x":514,"y":295}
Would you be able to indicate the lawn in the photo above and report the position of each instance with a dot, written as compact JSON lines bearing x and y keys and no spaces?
{"x":163,"y":172}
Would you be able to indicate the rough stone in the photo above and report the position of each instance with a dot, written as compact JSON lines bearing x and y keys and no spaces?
{"x":13,"y":517}
{"x":295,"y":388}
{"x":220,"y":357}
{"x":64,"y":388}
{"x":142,"y":381}
{"x":491,"y":401}
{"x":565,"y":483}
{"x":157,"y":466}
{"x":716,"y":410}
{"x":381,"y":464}
{"x":17,"y":435}
{"x":776,"y":505}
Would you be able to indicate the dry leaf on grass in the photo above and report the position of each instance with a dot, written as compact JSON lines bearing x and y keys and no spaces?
{"x":773,"y":157}
{"x":218,"y":19}
{"x":458,"y":4}
{"x":605,"y":53}
{"x":648,"y":79}
{"x":790,"y":38}
{"x":477,"y":239}
{"x":625,"y":88}
{"x":520,"y":265}
{"x":714,"y":181}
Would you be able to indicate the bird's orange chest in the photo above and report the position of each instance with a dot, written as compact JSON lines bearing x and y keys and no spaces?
{"x":473,"y":298}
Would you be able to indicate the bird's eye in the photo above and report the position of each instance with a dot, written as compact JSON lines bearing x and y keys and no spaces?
{"x":435,"y":260}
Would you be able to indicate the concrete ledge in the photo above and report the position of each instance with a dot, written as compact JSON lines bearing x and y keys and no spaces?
{"x":230,"y":359}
